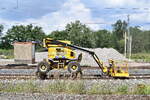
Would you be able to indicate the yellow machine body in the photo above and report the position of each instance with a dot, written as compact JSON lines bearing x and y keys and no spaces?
{"x":60,"y":52}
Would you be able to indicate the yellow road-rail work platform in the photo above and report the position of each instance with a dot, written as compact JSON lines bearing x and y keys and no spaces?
{"x":62,"y":55}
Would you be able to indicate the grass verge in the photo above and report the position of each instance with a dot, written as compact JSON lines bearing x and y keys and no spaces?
{"x":7,"y":54}
{"x":141,"y":57}
{"x":73,"y":87}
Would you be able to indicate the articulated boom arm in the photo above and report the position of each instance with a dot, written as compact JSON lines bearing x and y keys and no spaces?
{"x":56,"y":42}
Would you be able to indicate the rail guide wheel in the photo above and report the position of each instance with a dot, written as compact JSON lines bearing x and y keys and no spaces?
{"x":75,"y":70}
{"x":42,"y":69}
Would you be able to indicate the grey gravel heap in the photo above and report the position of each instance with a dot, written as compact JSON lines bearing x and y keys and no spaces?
{"x":104,"y":54}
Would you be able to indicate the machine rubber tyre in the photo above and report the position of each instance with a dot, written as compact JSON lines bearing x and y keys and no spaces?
{"x":43,"y":67}
{"x":41,"y":76}
{"x":77,"y":75}
{"x":74,"y":67}
{"x":75,"y":70}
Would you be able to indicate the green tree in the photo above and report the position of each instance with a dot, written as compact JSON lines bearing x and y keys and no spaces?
{"x":22,"y":33}
{"x":1,"y":29}
{"x":140,"y":40}
{"x":103,"y":38}
{"x":79,"y":34}
{"x":119,"y":28}
{"x":146,"y":40}
{"x":58,"y":35}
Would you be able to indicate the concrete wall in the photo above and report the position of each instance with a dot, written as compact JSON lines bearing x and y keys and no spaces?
{"x":24,"y":52}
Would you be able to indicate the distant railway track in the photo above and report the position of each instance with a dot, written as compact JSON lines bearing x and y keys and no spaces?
{"x":16,"y":76}
{"x":17,"y":66}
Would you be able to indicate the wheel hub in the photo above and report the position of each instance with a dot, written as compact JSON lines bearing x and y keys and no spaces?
{"x":74,"y":67}
{"x":43,"y":68}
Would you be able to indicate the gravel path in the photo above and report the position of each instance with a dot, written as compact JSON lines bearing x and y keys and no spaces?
{"x":37,"y":96}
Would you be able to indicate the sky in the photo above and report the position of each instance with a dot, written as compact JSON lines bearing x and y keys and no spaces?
{"x":55,"y":14}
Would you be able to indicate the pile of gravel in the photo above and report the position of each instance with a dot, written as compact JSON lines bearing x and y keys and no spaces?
{"x":103,"y":53}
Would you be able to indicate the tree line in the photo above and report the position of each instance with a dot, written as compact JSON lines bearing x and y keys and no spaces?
{"x":81,"y":35}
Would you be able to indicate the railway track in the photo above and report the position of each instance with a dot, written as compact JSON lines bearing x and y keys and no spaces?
{"x":16,"y":76}
{"x":84,"y":77}
{"x":25,"y":66}
{"x":32,"y":76}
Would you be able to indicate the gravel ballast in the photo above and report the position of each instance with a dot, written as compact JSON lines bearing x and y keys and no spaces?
{"x":37,"y":96}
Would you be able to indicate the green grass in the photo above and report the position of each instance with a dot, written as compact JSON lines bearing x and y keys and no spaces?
{"x":28,"y":87}
{"x":142,"y":89}
{"x":99,"y":89}
{"x":56,"y":87}
{"x":7,"y":53}
{"x":73,"y":87}
{"x":122,"y":89}
{"x":141,"y":57}
{"x":66,"y":87}
{"x":76,"y":88}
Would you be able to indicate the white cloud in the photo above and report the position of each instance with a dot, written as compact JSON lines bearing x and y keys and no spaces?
{"x":122,"y":3}
{"x":126,"y":3}
{"x":141,"y":17}
{"x":71,"y":10}
{"x":136,"y":19}
{"x":145,"y":27}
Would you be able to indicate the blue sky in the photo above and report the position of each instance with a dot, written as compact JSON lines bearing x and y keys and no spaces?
{"x":55,"y":14}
